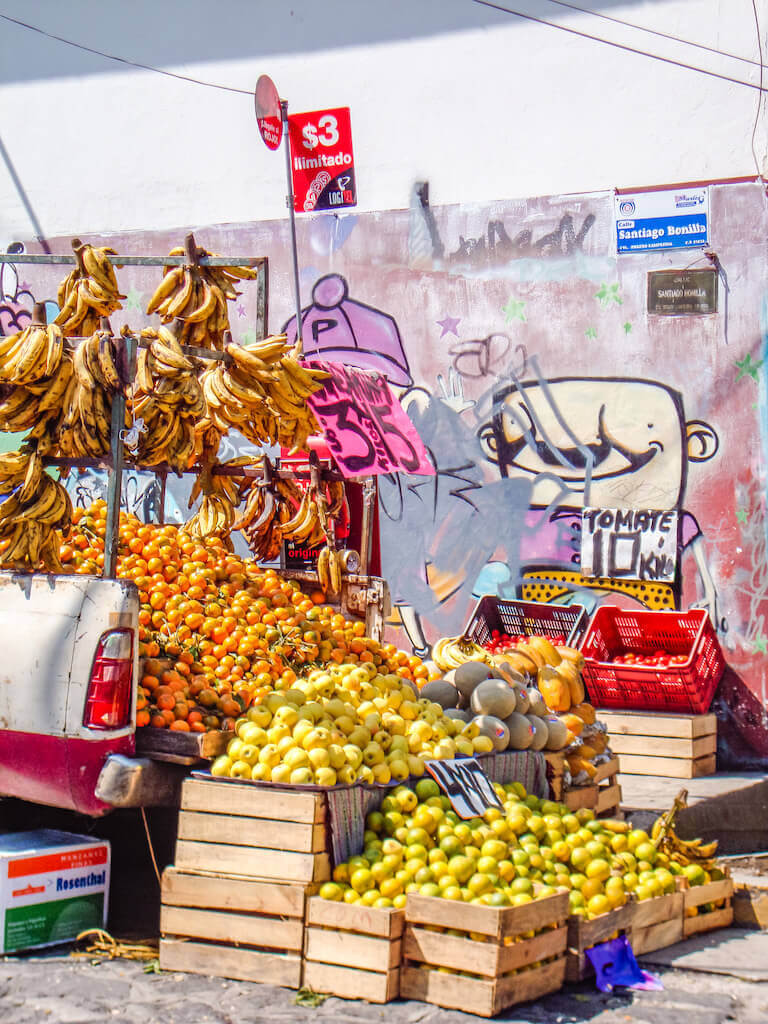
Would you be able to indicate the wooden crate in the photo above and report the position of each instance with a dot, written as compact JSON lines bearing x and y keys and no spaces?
{"x":555,"y":761}
{"x":232,"y":927}
{"x":583,"y":934}
{"x":673,"y":746}
{"x":486,"y":985}
{"x":352,"y":951}
{"x":181,"y":747}
{"x":696,"y":896}
{"x":657,"y":923}
{"x":581,"y":796}
{"x":608,"y":790}
{"x":252,"y":830}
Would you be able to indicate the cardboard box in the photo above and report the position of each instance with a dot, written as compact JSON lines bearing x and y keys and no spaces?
{"x":53,"y":885}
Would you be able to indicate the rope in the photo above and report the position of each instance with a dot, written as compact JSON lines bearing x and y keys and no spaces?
{"x":103,"y":944}
{"x":149,"y":844}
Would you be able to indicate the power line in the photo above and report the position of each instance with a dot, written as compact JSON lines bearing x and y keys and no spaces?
{"x":760,"y":97}
{"x":124,"y":60}
{"x":620,"y":46}
{"x":656,"y":32}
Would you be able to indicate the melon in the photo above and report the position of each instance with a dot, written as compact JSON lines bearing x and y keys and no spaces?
{"x":523,"y":701}
{"x":493,"y":697}
{"x":540,"y":732}
{"x":558,"y":733}
{"x":469,"y":675}
{"x":410,"y":683}
{"x":506,"y":671}
{"x":442,"y":693}
{"x":493,"y":727}
{"x":520,"y":731}
{"x":458,"y":713}
{"x":450,"y":676}
{"x":536,"y":703}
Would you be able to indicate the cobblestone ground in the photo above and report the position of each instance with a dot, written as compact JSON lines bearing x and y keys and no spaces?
{"x":57,"y":989}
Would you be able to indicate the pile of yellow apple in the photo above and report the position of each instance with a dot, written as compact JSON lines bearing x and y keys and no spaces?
{"x":344,"y":724}
{"x":532,"y":848}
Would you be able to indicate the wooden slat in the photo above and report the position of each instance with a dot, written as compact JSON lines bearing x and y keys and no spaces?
{"x":219,"y":892}
{"x":657,"y":936}
{"x":240,"y":929}
{"x":608,"y":797}
{"x":606,"y":770}
{"x":262,"y":832}
{"x":583,"y":933}
{"x":350,"y":983}
{"x":722,"y":918}
{"x":230,"y":962}
{"x":251,"y":799}
{"x":640,"y":723}
{"x":251,"y":862}
{"x":351,"y":949}
{"x":664,"y":746}
{"x":719,"y":890}
{"x":582,"y":796}
{"x":386,"y":923}
{"x":497,"y":922}
{"x":668,"y":767}
{"x":486,"y":958}
{"x":657,"y":910}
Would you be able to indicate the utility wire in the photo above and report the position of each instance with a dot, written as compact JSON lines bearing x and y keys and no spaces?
{"x":620,"y":46}
{"x":656,"y":32}
{"x":760,"y":96}
{"x":124,"y":60}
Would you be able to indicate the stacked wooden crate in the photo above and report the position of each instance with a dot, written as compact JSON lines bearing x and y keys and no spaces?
{"x":247,"y":858}
{"x":608,"y":803}
{"x":583,"y":934}
{"x":483,"y":959}
{"x":657,"y":922}
{"x":708,"y":906}
{"x":353,"y":951}
{"x":654,"y":743}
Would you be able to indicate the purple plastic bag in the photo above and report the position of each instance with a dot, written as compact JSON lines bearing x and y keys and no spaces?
{"x":615,"y":964}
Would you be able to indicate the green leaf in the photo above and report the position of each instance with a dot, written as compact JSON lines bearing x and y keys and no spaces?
{"x":306,"y":997}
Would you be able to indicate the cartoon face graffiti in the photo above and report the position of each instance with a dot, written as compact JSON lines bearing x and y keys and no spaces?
{"x":605,"y":442}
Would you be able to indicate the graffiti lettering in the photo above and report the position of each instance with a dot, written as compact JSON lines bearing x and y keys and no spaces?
{"x":480,"y":356}
{"x":497,"y":247}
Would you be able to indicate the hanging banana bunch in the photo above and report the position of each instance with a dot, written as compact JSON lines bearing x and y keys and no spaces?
{"x":168,"y":398}
{"x":86,"y":425}
{"x":34,"y":511}
{"x":221,"y":496}
{"x":88,"y":292}
{"x":268,"y":506}
{"x":198,"y":296}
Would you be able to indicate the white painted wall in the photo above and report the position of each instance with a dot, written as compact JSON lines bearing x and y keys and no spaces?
{"x":481,"y":104}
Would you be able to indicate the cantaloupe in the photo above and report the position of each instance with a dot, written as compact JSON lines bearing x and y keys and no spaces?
{"x":493,"y":697}
{"x":536,"y":703}
{"x":520,"y":731}
{"x":469,"y":675}
{"x":494,"y":728}
{"x":442,"y":693}
{"x":557,"y":733}
{"x":461,"y":714}
{"x":540,"y":732}
{"x":523,"y":701}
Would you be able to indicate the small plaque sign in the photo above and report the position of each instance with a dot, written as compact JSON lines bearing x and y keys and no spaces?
{"x":682,"y":292}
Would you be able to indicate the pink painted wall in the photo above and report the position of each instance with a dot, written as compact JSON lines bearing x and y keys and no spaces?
{"x":528,"y":300}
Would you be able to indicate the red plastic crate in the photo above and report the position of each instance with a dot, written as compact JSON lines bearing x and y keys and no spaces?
{"x":688,"y":688}
{"x":529,"y":618}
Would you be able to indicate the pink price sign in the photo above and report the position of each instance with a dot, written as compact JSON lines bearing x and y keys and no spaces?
{"x":365,"y":426}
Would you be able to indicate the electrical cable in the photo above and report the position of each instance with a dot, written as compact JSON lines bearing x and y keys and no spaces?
{"x":760,"y":95}
{"x":124,"y":60}
{"x":620,"y":46}
{"x":656,"y":32}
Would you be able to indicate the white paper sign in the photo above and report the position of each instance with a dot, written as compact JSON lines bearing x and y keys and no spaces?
{"x":635,"y":544}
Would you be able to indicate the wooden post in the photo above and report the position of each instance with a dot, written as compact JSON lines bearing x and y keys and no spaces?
{"x":366,"y":531}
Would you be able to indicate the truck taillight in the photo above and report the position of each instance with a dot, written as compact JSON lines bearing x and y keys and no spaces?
{"x":108,"y":704}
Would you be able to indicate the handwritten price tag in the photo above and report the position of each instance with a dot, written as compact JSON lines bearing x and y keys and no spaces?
{"x":365,"y":426}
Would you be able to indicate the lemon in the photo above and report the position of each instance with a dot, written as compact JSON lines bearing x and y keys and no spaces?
{"x":362,"y":880}
{"x":331,"y":891}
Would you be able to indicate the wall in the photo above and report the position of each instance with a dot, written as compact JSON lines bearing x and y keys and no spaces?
{"x":484,"y":105}
{"x":527,"y":301}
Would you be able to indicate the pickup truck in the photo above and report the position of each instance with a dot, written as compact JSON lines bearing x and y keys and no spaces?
{"x":68,"y":685}
{"x":68,"y":695}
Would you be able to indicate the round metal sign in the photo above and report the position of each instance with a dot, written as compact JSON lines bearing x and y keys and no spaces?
{"x":267,"y":104}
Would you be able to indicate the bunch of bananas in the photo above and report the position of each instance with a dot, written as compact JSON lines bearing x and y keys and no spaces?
{"x":684,"y":852}
{"x":330,"y":569}
{"x":35,"y":363}
{"x":198,"y":296}
{"x":221,"y":496}
{"x":168,"y":398}
{"x":35,"y":507}
{"x":89,"y":292}
{"x":451,"y":651}
{"x":262,"y":393}
{"x":268,"y":507}
{"x":86,"y":426}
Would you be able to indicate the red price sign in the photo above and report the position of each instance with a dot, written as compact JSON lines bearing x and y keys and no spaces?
{"x":322,"y":163}
{"x":365,"y":426}
{"x":266,"y":102}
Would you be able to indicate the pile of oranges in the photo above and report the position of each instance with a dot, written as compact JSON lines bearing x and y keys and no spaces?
{"x":220,"y":632}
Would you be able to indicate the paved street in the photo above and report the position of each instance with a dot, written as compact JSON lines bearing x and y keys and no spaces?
{"x":56,"y":989}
